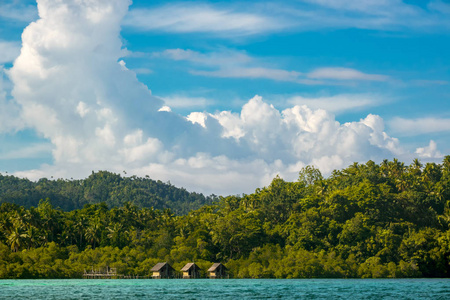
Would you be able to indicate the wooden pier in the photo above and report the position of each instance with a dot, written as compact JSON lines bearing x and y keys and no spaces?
{"x":160,"y":270}
{"x":107,"y":273}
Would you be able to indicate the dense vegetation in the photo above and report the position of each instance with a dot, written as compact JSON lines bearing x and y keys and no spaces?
{"x":99,"y":187}
{"x":368,"y":220}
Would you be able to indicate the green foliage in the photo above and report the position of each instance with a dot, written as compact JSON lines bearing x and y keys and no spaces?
{"x":365,"y":221}
{"x":100,"y":187}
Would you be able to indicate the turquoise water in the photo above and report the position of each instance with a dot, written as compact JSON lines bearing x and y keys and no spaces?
{"x":226,"y":289}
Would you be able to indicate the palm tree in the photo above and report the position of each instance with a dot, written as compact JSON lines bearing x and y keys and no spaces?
{"x":33,"y":236}
{"x":402,"y":183}
{"x":80,"y":225}
{"x":49,"y":218}
{"x":93,"y":232}
{"x":16,"y":235}
{"x":417,"y":164}
{"x":116,"y":234}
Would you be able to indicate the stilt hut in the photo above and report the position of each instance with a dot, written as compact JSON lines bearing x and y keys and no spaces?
{"x":217,"y":270}
{"x":162,"y":270}
{"x":190,"y":270}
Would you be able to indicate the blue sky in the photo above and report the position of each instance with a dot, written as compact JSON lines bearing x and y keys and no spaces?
{"x":267,"y":87}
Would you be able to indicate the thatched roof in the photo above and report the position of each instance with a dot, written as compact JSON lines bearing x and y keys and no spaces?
{"x":159,"y":266}
{"x":188,"y":266}
{"x":215,"y":266}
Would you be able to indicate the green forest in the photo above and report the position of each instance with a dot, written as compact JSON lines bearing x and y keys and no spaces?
{"x":387,"y":220}
{"x":103,"y":186}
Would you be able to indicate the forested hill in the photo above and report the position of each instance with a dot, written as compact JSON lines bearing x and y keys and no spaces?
{"x":367,"y":220}
{"x":102,"y":186}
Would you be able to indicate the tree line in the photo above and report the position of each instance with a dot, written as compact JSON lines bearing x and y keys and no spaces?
{"x":365,"y":221}
{"x":99,"y":187}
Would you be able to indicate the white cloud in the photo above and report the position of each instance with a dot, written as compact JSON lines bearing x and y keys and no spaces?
{"x":430,"y":151}
{"x":62,"y":79}
{"x":392,"y":15}
{"x":328,"y":163}
{"x":165,"y":108}
{"x":231,"y":124}
{"x":302,"y":134}
{"x":338,"y":103}
{"x":75,"y":92}
{"x":411,"y":127}
{"x":375,"y":7}
{"x":319,"y":76}
{"x":231,"y":64}
{"x":193,"y":17}
{"x":345,"y":74}
{"x":198,"y":118}
{"x":274,"y":74}
{"x":142,"y":151}
{"x":232,"y":20}
{"x":237,"y":64}
{"x":224,"y":57}
{"x":82,"y":109}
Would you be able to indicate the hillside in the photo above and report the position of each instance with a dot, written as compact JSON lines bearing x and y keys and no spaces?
{"x":367,"y":220}
{"x":102,"y":186}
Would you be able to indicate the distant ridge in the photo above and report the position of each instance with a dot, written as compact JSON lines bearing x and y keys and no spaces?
{"x":101,"y":186}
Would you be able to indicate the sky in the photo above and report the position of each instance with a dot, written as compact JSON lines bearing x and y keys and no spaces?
{"x":221,"y":96}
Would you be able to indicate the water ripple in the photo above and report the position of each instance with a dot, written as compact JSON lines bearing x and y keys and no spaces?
{"x":241,"y":289}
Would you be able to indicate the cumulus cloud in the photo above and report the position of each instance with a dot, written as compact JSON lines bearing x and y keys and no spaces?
{"x":303,"y":135}
{"x":74,"y":90}
{"x":430,"y":151}
{"x":198,"y":118}
{"x":61,"y":78}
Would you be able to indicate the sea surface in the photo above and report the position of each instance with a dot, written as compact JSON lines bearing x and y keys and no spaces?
{"x":226,"y":289}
